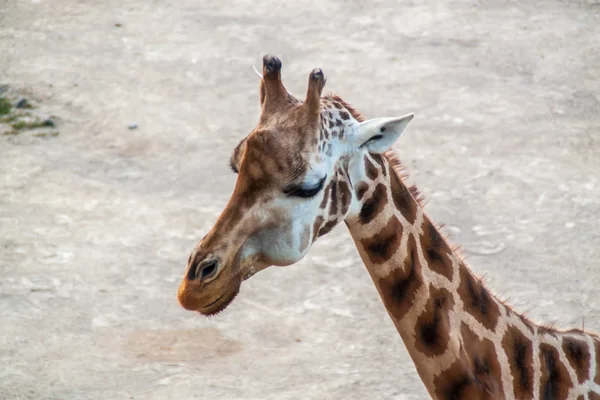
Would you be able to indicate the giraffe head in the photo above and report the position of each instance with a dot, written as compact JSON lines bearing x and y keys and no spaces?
{"x":296,"y":170}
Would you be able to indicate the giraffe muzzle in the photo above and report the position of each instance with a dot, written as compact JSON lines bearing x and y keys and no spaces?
{"x":209,"y":284}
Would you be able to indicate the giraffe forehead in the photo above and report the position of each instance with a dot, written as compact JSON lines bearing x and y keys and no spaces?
{"x":268,"y":159}
{"x":288,"y":145}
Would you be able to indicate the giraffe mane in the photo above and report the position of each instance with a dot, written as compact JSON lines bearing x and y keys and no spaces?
{"x":400,"y":170}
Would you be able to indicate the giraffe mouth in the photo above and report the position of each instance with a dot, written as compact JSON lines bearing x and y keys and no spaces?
{"x":218,"y":305}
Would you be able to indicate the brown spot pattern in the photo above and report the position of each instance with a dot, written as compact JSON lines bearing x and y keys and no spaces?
{"x":435,"y":250}
{"x":483,"y":360}
{"x":456,"y":383}
{"x":432,"y":330}
{"x":403,"y":200}
{"x":379,"y":160}
{"x":345,"y":196}
{"x":597,"y":346}
{"x":578,"y":354}
{"x":477,"y":300}
{"x":374,"y":204}
{"x":326,"y":195}
{"x":333,"y":206}
{"x":555,"y":382}
{"x":400,"y":287}
{"x":317,"y":226}
{"x":519,"y":351}
{"x":370,"y":169}
{"x":361,"y":189}
{"x":344,"y":115}
{"x":327,"y":228}
{"x":594,"y":396}
{"x":382,"y":246}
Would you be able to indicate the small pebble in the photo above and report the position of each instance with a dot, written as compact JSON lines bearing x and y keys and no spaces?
{"x":133,"y":126}
{"x":23,"y":103}
{"x":49,"y":123}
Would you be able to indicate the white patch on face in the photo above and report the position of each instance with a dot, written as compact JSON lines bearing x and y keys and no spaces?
{"x":284,"y":243}
{"x":303,"y":215}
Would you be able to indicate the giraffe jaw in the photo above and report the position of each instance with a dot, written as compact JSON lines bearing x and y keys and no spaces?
{"x":220,"y":304}
{"x":249,"y":267}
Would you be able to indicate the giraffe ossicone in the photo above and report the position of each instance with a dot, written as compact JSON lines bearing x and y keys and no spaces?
{"x":311,"y":164}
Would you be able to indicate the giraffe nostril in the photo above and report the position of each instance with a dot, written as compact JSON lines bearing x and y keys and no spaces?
{"x":208,"y":270}
{"x":204,"y":270}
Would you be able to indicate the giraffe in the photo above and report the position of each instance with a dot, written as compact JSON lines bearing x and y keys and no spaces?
{"x":310,"y":165}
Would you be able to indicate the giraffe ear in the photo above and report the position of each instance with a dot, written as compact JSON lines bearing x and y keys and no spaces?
{"x":379,"y":134}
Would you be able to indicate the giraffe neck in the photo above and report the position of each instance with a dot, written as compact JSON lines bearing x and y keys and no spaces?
{"x":464,"y":342}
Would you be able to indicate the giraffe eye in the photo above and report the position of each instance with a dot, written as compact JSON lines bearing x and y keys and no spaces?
{"x":305,"y":192}
{"x":233,"y":166}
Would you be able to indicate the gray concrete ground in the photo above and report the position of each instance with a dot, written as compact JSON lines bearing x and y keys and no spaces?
{"x":97,"y":223}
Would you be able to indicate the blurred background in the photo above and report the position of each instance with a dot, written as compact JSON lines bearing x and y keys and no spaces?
{"x":117,"y":164}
